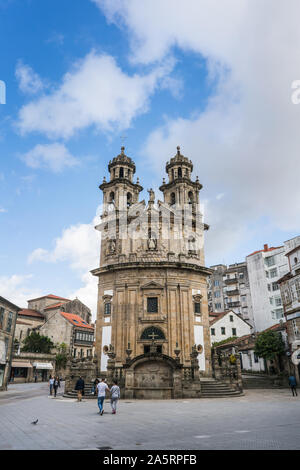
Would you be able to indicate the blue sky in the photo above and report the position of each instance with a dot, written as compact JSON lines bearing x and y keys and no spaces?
{"x":80,"y":75}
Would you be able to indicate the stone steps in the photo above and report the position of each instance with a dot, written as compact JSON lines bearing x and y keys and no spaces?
{"x":259,"y":382}
{"x":215,"y":389}
{"x":87,"y":392}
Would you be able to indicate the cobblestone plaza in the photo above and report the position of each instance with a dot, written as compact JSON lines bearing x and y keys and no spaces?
{"x":261,"y":419}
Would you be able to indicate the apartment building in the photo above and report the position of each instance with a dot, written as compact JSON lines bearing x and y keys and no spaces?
{"x":290,"y":293}
{"x":265,"y":268}
{"x":229,"y":289}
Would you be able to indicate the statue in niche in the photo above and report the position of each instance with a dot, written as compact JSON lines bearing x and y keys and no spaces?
{"x":191,"y":244}
{"x":152,"y":241}
{"x":112,"y":246}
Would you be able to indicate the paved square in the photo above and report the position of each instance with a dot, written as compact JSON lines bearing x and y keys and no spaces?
{"x":262,"y":419}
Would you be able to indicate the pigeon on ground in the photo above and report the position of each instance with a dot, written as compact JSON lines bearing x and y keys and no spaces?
{"x":34,"y":422}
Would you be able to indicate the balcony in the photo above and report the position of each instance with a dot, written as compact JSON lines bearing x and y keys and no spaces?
{"x":232,"y":292}
{"x":233,"y":304}
{"x":233,"y":280}
{"x":83,"y":342}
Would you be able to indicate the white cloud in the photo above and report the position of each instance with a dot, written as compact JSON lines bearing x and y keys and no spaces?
{"x":79,"y":247}
{"x":2,"y":210}
{"x":29,"y":81}
{"x":15,"y":289}
{"x":246,"y":142}
{"x":54,"y":156}
{"x":96,"y":92}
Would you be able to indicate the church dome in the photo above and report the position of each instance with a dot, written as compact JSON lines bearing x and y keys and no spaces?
{"x":123,"y":160}
{"x":179,"y":159}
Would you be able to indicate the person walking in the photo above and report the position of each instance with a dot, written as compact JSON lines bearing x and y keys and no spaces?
{"x":293,"y":385}
{"x":35,"y":378}
{"x":56,"y":384}
{"x":114,"y":396}
{"x":80,"y":388}
{"x":94,"y":387}
{"x":101,"y":387}
{"x":51,"y":382}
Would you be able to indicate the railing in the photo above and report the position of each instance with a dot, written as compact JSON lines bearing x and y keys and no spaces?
{"x":233,"y":304}
{"x":232,"y":280}
{"x":232,"y":292}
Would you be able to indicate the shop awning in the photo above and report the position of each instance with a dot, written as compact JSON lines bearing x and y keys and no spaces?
{"x":43,"y":365}
{"x":24,"y":364}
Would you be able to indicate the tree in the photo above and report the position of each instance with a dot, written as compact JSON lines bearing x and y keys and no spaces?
{"x":269,"y":345}
{"x":37,"y":343}
{"x":62,"y":356}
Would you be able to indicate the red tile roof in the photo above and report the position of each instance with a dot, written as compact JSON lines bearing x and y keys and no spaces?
{"x":54,"y":306}
{"x":31,"y":313}
{"x":265,"y":250}
{"x":76,"y":320}
{"x":278,"y":326}
{"x":50,"y":296}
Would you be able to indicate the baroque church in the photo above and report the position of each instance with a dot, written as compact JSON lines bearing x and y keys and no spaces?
{"x":152,"y":329}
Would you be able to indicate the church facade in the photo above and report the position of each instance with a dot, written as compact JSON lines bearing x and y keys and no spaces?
{"x":152,"y":329}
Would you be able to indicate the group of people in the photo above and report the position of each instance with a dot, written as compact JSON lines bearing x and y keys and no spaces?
{"x":101,"y":388}
{"x":54,"y":383}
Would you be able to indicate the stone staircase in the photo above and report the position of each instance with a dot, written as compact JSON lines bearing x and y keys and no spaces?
{"x":87,"y":392}
{"x":260,"y":382}
{"x":211,"y":388}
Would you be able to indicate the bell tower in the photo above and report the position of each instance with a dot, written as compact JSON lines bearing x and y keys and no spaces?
{"x":181,"y":195}
{"x":180,"y":189}
{"x":119,"y":194}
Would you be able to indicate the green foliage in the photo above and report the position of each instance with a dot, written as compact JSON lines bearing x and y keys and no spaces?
{"x":61,"y":360}
{"x":269,"y":345}
{"x":62,"y":347}
{"x":61,"y":357}
{"x":224,"y":341}
{"x":37,"y":343}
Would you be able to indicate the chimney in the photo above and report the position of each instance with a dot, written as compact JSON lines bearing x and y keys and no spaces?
{"x":266,"y":247}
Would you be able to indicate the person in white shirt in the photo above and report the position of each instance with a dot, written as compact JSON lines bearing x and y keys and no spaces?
{"x":51,"y":382}
{"x":101,"y":387}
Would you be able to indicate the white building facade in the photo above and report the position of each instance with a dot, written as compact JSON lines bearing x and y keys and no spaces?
{"x":265,"y":268}
{"x":227,"y":325}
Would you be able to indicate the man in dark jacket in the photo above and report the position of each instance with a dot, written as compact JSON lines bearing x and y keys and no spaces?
{"x":293,"y":385}
{"x":80,"y":388}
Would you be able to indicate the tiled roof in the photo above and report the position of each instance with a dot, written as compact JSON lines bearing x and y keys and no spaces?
{"x":278,"y":326}
{"x":31,"y":313}
{"x":76,"y":320}
{"x":265,"y":250}
{"x":223,"y":314}
{"x":54,"y":306}
{"x":251,"y":341}
{"x":218,"y":317}
{"x":50,"y":296}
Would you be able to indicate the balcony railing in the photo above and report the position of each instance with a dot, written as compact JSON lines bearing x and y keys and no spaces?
{"x":233,"y":280}
{"x":233,"y":304}
{"x":83,"y":341}
{"x":232,"y":292}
